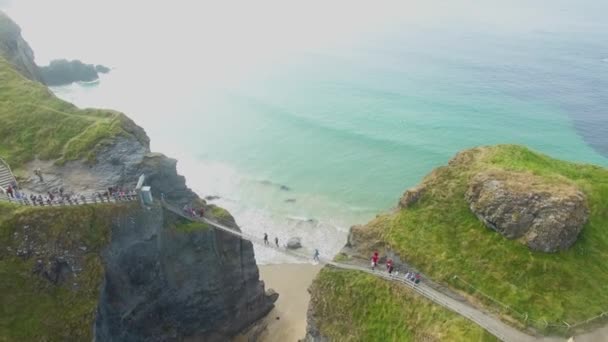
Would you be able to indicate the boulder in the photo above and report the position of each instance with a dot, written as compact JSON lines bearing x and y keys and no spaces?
{"x":546,"y":215}
{"x":294,"y":243}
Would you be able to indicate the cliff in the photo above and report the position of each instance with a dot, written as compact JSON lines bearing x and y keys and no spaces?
{"x":109,"y":272}
{"x":122,"y":273}
{"x":16,"y":50}
{"x":164,"y":283}
{"x":481,"y":227}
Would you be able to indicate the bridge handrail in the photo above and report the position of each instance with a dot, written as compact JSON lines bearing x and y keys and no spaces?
{"x":89,"y":199}
{"x":420,"y":288}
{"x":542,"y":324}
{"x":8,"y":167}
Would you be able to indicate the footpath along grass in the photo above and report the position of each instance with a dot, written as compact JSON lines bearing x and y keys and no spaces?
{"x":353,"y":306}
{"x":441,"y":236}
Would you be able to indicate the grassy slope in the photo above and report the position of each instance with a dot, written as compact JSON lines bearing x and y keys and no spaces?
{"x":359,"y":307}
{"x":443,"y":238}
{"x":33,"y":309}
{"x":36,"y":123}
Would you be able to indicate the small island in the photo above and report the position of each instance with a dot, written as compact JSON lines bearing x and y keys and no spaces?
{"x":62,"y":72}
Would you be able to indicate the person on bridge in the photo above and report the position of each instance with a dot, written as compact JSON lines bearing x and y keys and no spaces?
{"x":316,"y":256}
{"x":201,"y":211}
{"x":389,"y":266}
{"x":9,"y":192}
{"x":265,"y":238}
{"x":276,"y":241}
{"x":375,"y":258}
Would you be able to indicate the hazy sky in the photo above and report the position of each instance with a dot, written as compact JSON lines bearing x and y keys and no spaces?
{"x":226,"y":35}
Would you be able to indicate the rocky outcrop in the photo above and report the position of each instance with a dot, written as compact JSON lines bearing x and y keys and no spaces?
{"x":411,"y":196}
{"x":102,"y":69}
{"x":16,"y":50}
{"x":294,"y":243}
{"x":165,"y":285}
{"x":544,"y":216}
{"x":61,"y":72}
{"x":161,"y":175}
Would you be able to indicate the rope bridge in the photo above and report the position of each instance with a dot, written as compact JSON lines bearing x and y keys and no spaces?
{"x":489,"y":323}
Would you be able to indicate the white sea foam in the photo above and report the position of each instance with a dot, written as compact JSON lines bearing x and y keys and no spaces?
{"x":265,"y":213}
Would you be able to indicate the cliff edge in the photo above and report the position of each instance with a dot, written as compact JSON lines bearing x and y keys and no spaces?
{"x":16,"y":50}
{"x":108,"y":272}
{"x":508,"y":229}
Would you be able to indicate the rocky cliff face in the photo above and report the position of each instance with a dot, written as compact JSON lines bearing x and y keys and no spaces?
{"x":16,"y":50}
{"x":545,"y":217}
{"x":163,"y":284}
{"x":61,"y":72}
{"x":112,"y":272}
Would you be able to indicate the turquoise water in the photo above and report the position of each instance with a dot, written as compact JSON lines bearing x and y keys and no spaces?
{"x":348,"y":128}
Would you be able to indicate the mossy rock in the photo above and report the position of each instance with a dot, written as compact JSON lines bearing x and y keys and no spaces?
{"x":440,"y":235}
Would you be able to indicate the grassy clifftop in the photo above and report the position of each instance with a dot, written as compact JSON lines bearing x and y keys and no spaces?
{"x":352,"y":306}
{"x":441,"y":236}
{"x":51,"y":270}
{"x":35,"y":123}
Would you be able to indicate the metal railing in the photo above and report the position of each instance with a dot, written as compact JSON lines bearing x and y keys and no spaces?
{"x":540,"y":324}
{"x":496,"y":328}
{"x":71,"y":201}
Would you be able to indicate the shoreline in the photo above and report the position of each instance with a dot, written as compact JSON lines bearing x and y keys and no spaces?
{"x":287,"y":321}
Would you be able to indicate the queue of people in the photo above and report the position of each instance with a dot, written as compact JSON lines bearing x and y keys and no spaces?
{"x":190,"y":211}
{"x":390,"y":267}
{"x":61,"y":197}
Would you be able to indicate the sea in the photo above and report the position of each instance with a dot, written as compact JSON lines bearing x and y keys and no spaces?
{"x":304,"y":119}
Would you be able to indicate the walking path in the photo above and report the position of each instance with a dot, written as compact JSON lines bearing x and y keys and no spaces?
{"x":73,"y":200}
{"x":490,"y":323}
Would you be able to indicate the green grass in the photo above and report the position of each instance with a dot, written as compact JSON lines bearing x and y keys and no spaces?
{"x":219,"y":213}
{"x":32,"y":308}
{"x":441,"y":236}
{"x":37,"y":124}
{"x":184,"y":226}
{"x":353,"y":306}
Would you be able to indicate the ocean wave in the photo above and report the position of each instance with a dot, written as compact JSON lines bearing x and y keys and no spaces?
{"x":279,"y":186}
{"x":302,"y":219}
{"x":258,"y":210}
{"x":85,"y":83}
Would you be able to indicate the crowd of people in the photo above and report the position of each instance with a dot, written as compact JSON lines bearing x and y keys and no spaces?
{"x":61,"y":197}
{"x":390,"y":267}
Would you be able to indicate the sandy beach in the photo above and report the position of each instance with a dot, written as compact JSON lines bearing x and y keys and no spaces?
{"x":287,"y":321}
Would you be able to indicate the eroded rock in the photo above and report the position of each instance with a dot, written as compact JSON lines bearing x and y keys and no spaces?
{"x":294,"y":243}
{"x":546,"y":215}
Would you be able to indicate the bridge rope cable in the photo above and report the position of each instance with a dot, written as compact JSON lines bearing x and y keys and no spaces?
{"x":419,"y":288}
{"x":489,"y":323}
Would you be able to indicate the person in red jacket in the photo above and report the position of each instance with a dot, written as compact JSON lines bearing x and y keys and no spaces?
{"x":389,"y":266}
{"x":375,"y":258}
